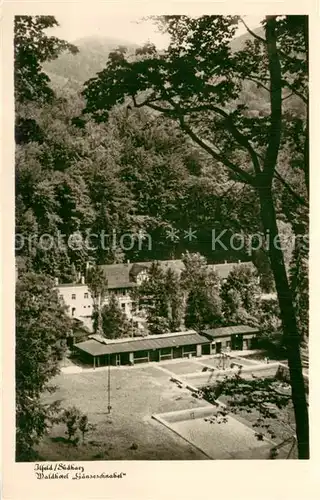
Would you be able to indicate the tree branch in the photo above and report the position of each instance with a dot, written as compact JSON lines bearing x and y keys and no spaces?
{"x":247,"y":178}
{"x":178,"y":112}
{"x":258,"y":84}
{"x":287,"y":97}
{"x":295,"y":195}
{"x":240,"y":138}
{"x":296,"y":92}
{"x":252,"y":33}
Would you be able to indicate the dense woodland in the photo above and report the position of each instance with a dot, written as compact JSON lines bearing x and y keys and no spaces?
{"x":138,"y":172}
{"x":117,"y":152}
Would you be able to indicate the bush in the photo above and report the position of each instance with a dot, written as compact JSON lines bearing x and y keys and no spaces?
{"x":75,"y":421}
{"x":71,"y":417}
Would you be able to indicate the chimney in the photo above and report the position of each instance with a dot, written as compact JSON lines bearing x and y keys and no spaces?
{"x":239,"y":261}
{"x":78,"y":277}
{"x":225,"y":262}
{"x":56,"y":281}
{"x":82,"y":280}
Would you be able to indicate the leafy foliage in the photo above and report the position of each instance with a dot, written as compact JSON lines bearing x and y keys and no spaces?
{"x":265,"y":401}
{"x":203,"y":303}
{"x":196,"y":82}
{"x":114,"y":321}
{"x":200,"y":134}
{"x":71,"y":417}
{"x":41,"y":328}
{"x":162,"y":297}
{"x":98,"y":287}
{"x":31,"y":48}
{"x":240,"y":294}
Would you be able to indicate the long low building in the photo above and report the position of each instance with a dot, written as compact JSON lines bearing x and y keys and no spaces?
{"x":235,"y":338}
{"x":99,"y":351}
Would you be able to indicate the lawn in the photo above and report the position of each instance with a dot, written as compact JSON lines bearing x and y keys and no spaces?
{"x":183,"y":367}
{"x":128,"y":433}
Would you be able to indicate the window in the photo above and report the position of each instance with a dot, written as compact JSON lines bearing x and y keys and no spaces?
{"x":73,"y":296}
{"x":61,"y":297}
{"x":141,"y":354}
{"x":86,"y":295}
{"x":166,"y":350}
{"x":189,"y":348}
{"x":73,"y":311}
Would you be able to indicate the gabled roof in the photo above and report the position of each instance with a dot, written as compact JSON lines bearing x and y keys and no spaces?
{"x":123,"y":275}
{"x":118,"y":275}
{"x":223,"y":270}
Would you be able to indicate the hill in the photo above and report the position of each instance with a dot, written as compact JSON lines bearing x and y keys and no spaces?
{"x":239,"y":42}
{"x":74,"y":70}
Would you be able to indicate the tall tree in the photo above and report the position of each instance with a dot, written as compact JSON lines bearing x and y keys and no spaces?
{"x":174,"y":295}
{"x":114,"y":321}
{"x":163,"y":297}
{"x":98,"y":286}
{"x":202,"y":293}
{"x":41,"y":327}
{"x":152,"y":292}
{"x":197,"y":82}
{"x":240,"y":294}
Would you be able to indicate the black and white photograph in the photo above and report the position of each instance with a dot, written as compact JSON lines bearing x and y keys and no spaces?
{"x":161,"y":238}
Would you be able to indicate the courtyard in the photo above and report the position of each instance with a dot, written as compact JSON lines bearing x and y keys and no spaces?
{"x":130,"y":431}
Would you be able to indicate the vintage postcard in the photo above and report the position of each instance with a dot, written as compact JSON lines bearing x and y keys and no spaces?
{"x":158,"y":166}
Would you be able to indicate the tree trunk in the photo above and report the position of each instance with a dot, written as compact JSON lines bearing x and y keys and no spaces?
{"x":291,"y":334}
{"x":306,"y":144}
{"x":99,"y":317}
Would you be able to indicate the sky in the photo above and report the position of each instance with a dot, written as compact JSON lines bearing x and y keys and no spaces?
{"x":121,"y":26}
